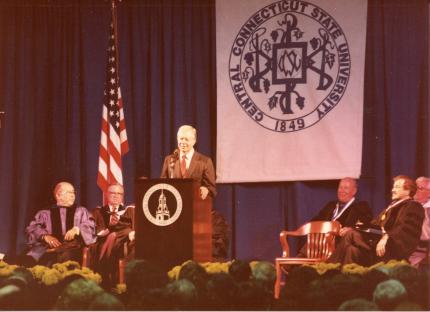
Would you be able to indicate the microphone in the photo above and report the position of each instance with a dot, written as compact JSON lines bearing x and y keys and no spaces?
{"x":176,"y":153}
{"x":173,"y":159}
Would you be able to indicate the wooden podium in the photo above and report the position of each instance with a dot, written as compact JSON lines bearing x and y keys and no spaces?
{"x":173,"y":224}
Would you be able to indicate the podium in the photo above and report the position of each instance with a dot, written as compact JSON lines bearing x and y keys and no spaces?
{"x":173,"y":224}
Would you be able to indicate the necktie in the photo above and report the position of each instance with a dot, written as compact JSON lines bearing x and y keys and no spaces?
{"x":184,"y":166}
{"x":114,"y":218}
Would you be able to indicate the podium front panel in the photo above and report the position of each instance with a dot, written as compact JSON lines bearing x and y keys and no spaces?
{"x":165,"y":229}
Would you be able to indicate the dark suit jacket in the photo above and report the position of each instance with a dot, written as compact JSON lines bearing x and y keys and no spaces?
{"x":201,"y":169}
{"x":123,"y":227}
{"x":403,"y":225}
{"x":357,"y":211}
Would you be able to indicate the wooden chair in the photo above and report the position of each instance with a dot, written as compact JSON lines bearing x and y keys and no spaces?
{"x":123,"y":261}
{"x":319,"y":246}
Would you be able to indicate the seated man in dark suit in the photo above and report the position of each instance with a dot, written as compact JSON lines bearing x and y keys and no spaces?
{"x":394,"y":234}
{"x":347,"y":210}
{"x":186,"y":162}
{"x":114,"y":227}
{"x":58,"y":233}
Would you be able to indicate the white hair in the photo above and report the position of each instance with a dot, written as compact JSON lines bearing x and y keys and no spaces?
{"x":186,"y":128}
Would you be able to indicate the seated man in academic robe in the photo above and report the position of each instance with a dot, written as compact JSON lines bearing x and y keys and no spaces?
{"x":114,"y":227}
{"x":58,"y":233}
{"x":394,"y":234}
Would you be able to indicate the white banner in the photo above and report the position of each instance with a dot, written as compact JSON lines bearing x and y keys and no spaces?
{"x":290,"y":89}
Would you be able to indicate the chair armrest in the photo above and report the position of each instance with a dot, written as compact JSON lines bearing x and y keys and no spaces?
{"x":334,"y":233}
{"x":284,"y":243}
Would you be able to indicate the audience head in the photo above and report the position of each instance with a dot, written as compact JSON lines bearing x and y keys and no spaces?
{"x":358,"y":304}
{"x":142,"y":275}
{"x":406,"y":274}
{"x":416,"y":283}
{"x":297,"y":284}
{"x":389,"y":294}
{"x":346,"y":190}
{"x":251,"y":296}
{"x":403,"y":187}
{"x":106,"y":302}
{"x":264,"y":272}
{"x":423,"y":190}
{"x":181,"y":295}
{"x":187,"y":137}
{"x":196,"y":274}
{"x":373,"y":278}
{"x":20,"y":284}
{"x":115,"y":195}
{"x":64,"y":194}
{"x":78,"y":295}
{"x":330,"y":293}
{"x":240,"y":270}
{"x":220,"y":291}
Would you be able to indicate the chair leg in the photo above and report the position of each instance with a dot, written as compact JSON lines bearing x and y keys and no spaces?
{"x":121,"y":270}
{"x":85,"y":257}
{"x":277,"y":289}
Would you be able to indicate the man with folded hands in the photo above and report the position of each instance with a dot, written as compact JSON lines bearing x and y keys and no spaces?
{"x":58,"y":233}
{"x":114,"y":228}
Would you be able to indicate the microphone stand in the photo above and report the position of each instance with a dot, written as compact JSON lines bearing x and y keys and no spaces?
{"x":171,"y":166}
{"x":172,"y":161}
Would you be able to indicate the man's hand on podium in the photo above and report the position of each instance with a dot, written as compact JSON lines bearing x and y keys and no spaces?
{"x":204,"y":192}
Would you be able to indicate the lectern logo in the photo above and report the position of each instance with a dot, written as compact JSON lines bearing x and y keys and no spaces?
{"x":158,"y":211}
{"x":289,"y":65}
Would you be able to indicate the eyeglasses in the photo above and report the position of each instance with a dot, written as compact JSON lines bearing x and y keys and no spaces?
{"x":116,"y":193}
{"x":421,"y":188}
{"x":70,"y":192}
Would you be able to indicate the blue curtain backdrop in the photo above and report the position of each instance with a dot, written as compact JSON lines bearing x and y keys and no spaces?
{"x":52,"y":70}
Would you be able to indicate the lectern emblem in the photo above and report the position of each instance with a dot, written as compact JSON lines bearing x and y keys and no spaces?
{"x":158,"y":211}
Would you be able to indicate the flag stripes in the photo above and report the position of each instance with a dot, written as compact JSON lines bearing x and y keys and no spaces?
{"x":113,"y":138}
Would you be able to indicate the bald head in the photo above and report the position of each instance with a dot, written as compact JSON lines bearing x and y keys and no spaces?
{"x":64,"y":194}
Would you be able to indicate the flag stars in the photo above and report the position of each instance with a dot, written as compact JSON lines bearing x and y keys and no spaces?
{"x":114,"y":111}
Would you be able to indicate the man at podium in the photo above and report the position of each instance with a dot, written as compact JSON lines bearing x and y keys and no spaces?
{"x":186,"y":162}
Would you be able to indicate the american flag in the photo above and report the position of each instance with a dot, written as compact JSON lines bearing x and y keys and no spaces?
{"x":113,"y":140}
